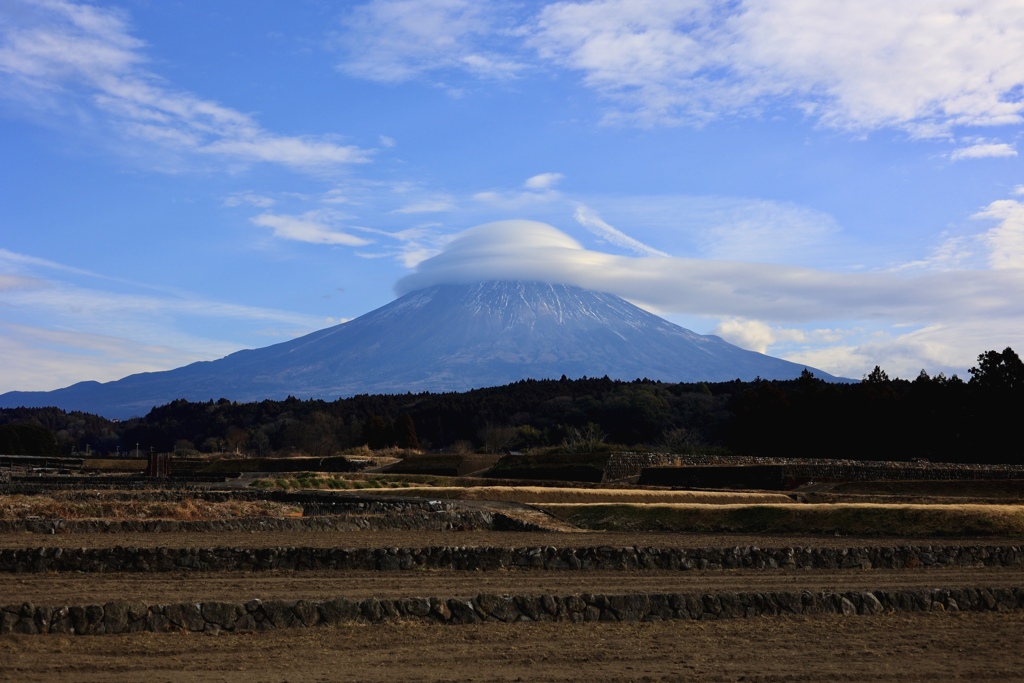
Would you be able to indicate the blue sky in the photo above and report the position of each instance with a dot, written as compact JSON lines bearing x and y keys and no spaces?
{"x":834,"y":183}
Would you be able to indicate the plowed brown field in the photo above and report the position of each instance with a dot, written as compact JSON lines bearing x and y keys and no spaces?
{"x":898,"y":648}
{"x":893,"y":647}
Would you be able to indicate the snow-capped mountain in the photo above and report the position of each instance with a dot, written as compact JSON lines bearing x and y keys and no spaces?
{"x":443,"y":338}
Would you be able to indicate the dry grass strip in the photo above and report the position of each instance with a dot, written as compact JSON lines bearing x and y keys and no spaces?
{"x":48,"y":507}
{"x":866,"y":519}
{"x":543,"y":494}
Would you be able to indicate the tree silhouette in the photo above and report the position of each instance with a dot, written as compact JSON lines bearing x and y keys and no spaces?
{"x":996,"y":370}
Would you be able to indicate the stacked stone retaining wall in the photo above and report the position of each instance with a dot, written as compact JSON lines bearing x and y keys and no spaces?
{"x":411,"y":520}
{"x":125,"y":559}
{"x":628,"y":464}
{"x":625,"y":465}
{"x":257,"y":615}
{"x":784,"y":477}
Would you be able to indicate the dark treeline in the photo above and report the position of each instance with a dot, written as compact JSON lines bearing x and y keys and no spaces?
{"x":939,"y":418}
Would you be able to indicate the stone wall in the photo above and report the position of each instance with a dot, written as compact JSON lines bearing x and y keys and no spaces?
{"x":778,"y":477}
{"x":799,"y":470}
{"x":122,"y":559}
{"x":416,"y":519}
{"x":258,"y":615}
{"x":624,"y":465}
{"x":34,"y":485}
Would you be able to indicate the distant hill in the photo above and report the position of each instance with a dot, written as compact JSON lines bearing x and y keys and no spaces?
{"x":443,"y":338}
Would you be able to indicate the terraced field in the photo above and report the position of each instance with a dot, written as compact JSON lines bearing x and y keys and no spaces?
{"x":937,"y":608}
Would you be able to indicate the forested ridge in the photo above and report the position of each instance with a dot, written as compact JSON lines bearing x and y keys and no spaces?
{"x":939,"y":418}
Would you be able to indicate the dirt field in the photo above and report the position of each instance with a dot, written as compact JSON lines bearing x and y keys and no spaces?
{"x":893,"y":647}
{"x":904,"y":648}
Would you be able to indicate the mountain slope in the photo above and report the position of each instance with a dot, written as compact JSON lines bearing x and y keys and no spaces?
{"x":444,"y":338}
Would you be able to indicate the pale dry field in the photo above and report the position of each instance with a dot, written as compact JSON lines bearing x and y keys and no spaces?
{"x":544,"y":494}
{"x":60,"y":507}
{"x":868,"y":519}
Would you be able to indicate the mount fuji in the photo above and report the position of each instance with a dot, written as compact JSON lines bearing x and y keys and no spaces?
{"x":441,"y":338}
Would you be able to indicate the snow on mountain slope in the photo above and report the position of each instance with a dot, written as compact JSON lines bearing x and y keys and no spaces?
{"x":443,"y":338}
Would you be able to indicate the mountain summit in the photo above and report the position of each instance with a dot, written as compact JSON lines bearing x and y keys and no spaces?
{"x":442,"y":338}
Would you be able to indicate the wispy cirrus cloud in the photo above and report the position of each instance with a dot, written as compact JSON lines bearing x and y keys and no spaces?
{"x":590,"y":220}
{"x":313,"y":227}
{"x":538,"y":189}
{"x":60,"y":56}
{"x":250,"y":199}
{"x":410,"y":246}
{"x":54,"y":358}
{"x":65,"y":324}
{"x":396,"y":40}
{"x":430,"y":205}
{"x":856,"y":66}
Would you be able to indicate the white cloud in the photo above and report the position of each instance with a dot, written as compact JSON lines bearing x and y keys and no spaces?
{"x":12,"y":282}
{"x":952,"y":253}
{"x":65,"y":324}
{"x":250,"y":198}
{"x":101,"y":309}
{"x":59,"y":56}
{"x":290,"y":151}
{"x":538,"y":189}
{"x":519,"y":249}
{"x":437,"y":205}
{"x":729,"y":228}
{"x":589,"y":219}
{"x":754,"y":334}
{"x":336,"y":196}
{"x":15,"y":262}
{"x":414,"y":245}
{"x":984,"y":150}
{"x":543,"y":181}
{"x":949,"y":347}
{"x":314,"y":227}
{"x":935,"y":318}
{"x":750,"y":334}
{"x":51,"y":359}
{"x":396,"y":40}
{"x":859,"y":65}
{"x":922,"y":67}
{"x":762,"y":230}
{"x":1006,"y":240}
